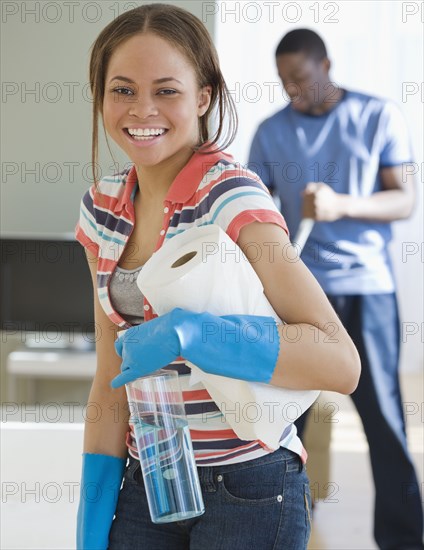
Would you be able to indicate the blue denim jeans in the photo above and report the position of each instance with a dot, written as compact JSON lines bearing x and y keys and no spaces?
{"x":373,"y":323}
{"x":261,"y":504}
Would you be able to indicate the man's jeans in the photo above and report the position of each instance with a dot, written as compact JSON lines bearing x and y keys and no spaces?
{"x":373,"y":323}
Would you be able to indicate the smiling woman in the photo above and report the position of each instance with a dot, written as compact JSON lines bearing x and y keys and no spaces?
{"x":154,"y":116}
{"x":180,"y":35}
{"x":156,"y":81}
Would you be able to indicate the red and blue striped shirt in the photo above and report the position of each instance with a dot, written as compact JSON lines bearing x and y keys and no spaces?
{"x":209,"y":189}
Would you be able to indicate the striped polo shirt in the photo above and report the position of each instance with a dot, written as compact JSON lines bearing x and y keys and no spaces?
{"x":209,"y":189}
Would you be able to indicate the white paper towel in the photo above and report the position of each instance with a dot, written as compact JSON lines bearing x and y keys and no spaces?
{"x":202,"y":269}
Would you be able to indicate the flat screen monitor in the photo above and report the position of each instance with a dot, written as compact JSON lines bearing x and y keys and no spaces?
{"x":46,"y":293}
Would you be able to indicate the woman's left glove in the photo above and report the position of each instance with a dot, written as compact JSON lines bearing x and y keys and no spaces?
{"x":238,"y":346}
{"x":100,"y":483}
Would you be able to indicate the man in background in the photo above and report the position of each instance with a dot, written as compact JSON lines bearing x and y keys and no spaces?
{"x":338,"y":157}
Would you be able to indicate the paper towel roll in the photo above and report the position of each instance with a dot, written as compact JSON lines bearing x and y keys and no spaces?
{"x":202,"y":269}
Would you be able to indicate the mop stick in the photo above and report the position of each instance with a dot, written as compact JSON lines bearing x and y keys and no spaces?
{"x":305,"y":227}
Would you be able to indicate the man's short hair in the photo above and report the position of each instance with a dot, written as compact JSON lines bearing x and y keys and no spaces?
{"x":303,"y":40}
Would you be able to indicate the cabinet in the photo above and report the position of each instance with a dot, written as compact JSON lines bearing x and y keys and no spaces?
{"x":33,"y":364}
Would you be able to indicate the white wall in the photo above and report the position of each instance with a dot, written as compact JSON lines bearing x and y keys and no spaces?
{"x":45,"y":143}
{"x":46,"y":109}
{"x":375,"y":47}
{"x":40,"y":472}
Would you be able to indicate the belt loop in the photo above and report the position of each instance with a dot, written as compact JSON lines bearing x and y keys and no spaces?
{"x":206,"y":477}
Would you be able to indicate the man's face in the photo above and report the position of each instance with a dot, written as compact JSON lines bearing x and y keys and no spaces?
{"x":304,"y":79}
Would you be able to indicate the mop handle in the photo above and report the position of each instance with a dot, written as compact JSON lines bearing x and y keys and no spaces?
{"x":303,"y":232}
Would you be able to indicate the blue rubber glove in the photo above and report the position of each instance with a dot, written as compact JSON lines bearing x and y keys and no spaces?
{"x":100,"y":483}
{"x":238,"y":346}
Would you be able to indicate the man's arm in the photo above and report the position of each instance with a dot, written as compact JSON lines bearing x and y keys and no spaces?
{"x":394,"y":202}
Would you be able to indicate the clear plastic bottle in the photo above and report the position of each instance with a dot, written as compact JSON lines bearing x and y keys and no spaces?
{"x":164,"y":446}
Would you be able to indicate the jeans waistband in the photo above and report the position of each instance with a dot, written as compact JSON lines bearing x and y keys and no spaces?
{"x":292,"y":460}
{"x":208,"y":473}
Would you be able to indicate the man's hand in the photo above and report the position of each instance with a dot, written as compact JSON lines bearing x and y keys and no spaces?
{"x":321,"y":203}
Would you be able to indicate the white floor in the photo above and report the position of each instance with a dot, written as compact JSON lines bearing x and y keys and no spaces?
{"x":40,"y":491}
{"x":344,"y":520}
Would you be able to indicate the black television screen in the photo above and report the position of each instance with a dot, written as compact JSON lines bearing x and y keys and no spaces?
{"x":46,"y":289}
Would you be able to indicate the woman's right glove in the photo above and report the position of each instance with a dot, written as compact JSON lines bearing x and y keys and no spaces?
{"x":245,"y":347}
{"x":100,"y":484}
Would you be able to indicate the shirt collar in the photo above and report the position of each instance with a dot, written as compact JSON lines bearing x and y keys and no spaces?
{"x":184,"y":185}
{"x":187,"y":181}
{"x":127,"y":195}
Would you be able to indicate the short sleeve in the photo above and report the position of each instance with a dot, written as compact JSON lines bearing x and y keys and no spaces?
{"x":240,"y":198}
{"x":86,"y":228}
{"x":396,"y":146}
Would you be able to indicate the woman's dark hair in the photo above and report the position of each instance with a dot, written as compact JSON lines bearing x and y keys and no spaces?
{"x":302,"y":40}
{"x":187,"y":33}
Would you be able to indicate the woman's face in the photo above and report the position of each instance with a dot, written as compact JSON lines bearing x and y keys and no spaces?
{"x":152,"y":101}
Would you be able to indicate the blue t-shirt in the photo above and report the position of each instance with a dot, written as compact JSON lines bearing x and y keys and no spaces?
{"x":344,"y":148}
